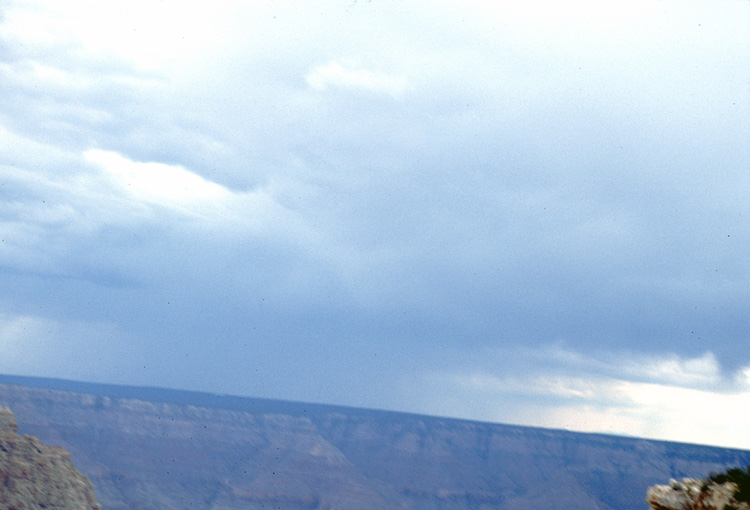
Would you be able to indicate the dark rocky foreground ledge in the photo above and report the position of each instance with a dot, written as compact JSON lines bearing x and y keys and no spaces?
{"x":694,"y":494}
{"x":34,"y":476}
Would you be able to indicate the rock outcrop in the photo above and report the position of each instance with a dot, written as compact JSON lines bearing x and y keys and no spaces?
{"x":693,"y":494}
{"x":34,"y":476}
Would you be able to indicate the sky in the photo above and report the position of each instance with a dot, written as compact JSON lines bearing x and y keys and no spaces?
{"x":534,"y":213}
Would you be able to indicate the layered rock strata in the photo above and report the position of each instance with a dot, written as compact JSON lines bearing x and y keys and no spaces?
{"x":157,"y":449}
{"x":34,"y":476}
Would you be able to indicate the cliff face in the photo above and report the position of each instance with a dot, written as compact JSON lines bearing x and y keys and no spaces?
{"x":35,"y":476}
{"x":151,"y":449}
{"x":692,"y":494}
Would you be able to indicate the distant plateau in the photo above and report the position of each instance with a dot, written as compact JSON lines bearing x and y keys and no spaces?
{"x":157,"y":449}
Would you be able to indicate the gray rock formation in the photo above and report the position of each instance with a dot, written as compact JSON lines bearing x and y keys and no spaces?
{"x":694,"y":494}
{"x":34,"y":476}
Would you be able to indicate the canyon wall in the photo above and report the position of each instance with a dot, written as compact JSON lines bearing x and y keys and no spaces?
{"x":147,"y":448}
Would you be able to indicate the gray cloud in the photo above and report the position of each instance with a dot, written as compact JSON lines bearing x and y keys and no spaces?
{"x":369,"y":188}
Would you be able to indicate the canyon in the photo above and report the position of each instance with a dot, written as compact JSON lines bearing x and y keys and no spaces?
{"x":151,"y":448}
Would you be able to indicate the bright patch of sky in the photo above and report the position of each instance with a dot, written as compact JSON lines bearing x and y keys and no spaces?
{"x":157,"y":182}
{"x":685,"y":399}
{"x":533,"y":212}
{"x":335,"y":75}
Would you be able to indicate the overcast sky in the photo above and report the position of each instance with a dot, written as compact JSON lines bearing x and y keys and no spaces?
{"x":534,"y":213}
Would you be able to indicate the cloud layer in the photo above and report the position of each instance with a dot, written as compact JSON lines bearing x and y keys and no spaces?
{"x":683,"y":399}
{"x":335,"y":75}
{"x":396,"y":206}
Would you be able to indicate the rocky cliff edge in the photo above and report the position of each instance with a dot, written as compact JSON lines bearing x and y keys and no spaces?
{"x":34,"y":476}
{"x":693,"y":494}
